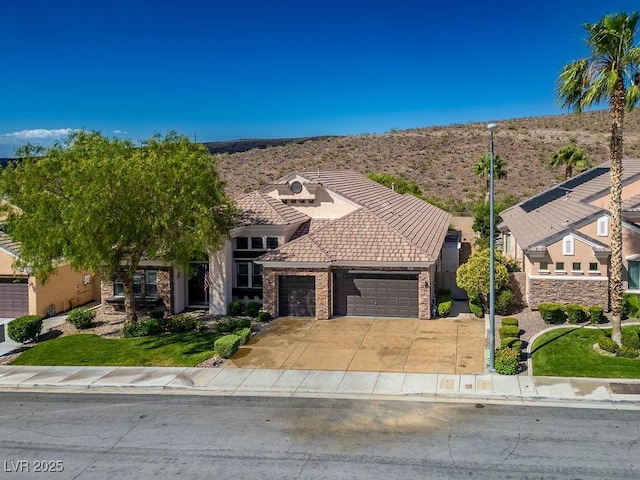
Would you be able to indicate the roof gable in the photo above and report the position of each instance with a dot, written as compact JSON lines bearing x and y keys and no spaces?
{"x":261,"y":209}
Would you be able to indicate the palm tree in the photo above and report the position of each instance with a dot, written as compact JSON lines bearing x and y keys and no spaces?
{"x":570,"y":157}
{"x":610,"y":73}
{"x":483,"y":168}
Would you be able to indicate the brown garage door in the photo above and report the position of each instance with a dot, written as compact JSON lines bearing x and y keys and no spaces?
{"x":14,"y":298}
{"x":376,"y":294}
{"x":297,"y":296}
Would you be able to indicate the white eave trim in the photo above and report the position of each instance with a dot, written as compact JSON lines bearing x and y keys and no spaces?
{"x":301,"y":265}
{"x":11,"y":254}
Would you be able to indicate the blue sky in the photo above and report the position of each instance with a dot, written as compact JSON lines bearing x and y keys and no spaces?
{"x":228,"y":69}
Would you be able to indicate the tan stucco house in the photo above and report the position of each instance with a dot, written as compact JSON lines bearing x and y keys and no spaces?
{"x":22,"y":294}
{"x":561,"y":236}
{"x":319,"y":244}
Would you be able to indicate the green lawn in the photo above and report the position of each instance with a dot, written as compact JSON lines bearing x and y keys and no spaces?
{"x":171,"y":350}
{"x":568,"y":352}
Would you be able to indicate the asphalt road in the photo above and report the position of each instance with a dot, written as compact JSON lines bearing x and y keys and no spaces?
{"x":109,"y":436}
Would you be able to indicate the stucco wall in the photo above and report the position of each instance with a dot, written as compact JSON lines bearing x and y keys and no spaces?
{"x":65,"y":289}
{"x":6,"y":260}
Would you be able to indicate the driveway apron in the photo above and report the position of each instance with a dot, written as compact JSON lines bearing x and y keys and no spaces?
{"x":371,"y":344}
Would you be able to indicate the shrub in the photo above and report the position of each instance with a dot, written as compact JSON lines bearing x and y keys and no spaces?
{"x":251,"y":309}
{"x":576,"y":313}
{"x":244,"y":334}
{"x":507,"y":361}
{"x":475,"y":305}
{"x":625,"y":352}
{"x":236,"y":308}
{"x":244,"y":322}
{"x":607,"y":344}
{"x":444,"y":302}
{"x":552,"y":312}
{"x":226,"y":346}
{"x":511,"y":342}
{"x":630,"y":339}
{"x":595,"y":314}
{"x":180,"y":323}
{"x":227,"y":325}
{"x":510,"y":321}
{"x":630,"y":305}
{"x":24,"y":329}
{"x":142,"y":329}
{"x":157,"y":313}
{"x":503,"y":302}
{"x":511,"y":331}
{"x":81,"y":317}
{"x":264,"y":316}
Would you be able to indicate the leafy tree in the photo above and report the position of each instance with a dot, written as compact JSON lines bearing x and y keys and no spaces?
{"x":473,"y":276}
{"x":104,"y":204}
{"x":571,"y":157}
{"x":610,"y":73}
{"x":482,"y":217}
{"x":482,"y":168}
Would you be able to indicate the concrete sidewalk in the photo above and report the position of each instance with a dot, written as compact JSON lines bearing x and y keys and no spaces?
{"x":525,"y":390}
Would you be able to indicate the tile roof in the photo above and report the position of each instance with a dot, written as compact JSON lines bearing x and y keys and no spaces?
{"x":359,"y":237}
{"x":539,"y":220}
{"x":260,"y":209}
{"x":6,"y":243}
{"x":388,"y":227}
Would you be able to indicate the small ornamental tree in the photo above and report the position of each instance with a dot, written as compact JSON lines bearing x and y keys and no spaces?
{"x":103,"y":204}
{"x":473,"y":276}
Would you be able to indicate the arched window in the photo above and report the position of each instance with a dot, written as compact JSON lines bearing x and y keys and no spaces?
{"x":603,"y":226}
{"x":567,"y":245}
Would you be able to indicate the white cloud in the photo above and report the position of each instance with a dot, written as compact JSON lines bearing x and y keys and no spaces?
{"x":38,"y":134}
{"x":118,"y":132}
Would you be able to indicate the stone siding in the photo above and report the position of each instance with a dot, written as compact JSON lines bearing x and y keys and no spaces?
{"x":518,"y":285}
{"x":583,"y":292}
{"x":164,"y":281}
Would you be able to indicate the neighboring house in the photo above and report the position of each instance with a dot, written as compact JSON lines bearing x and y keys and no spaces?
{"x":317,"y":244}
{"x":561,"y":236}
{"x":22,"y":294}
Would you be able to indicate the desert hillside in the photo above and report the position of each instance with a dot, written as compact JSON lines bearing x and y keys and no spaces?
{"x":439,"y":159}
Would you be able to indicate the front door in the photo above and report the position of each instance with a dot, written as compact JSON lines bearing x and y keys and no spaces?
{"x":198,"y":290}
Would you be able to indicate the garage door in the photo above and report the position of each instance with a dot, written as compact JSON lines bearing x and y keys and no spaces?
{"x":297,"y":296}
{"x":376,"y":294}
{"x":14,"y":298}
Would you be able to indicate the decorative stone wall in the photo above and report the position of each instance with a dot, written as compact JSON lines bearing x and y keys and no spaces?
{"x":106,"y":291}
{"x":164,"y":281}
{"x":425,"y":281}
{"x":584,"y":292}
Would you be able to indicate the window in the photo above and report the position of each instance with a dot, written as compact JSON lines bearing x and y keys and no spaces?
{"x":242,"y":243}
{"x":576,"y":266}
{"x":603,"y":227}
{"x":248,"y":275}
{"x":593,"y":267}
{"x":145,"y":284}
{"x":507,"y":242}
{"x":272,"y":242}
{"x":634,"y":275}
{"x":567,"y":245}
{"x":560,"y":267}
{"x":256,"y":243}
{"x":544,"y":266}
{"x":242,"y":274}
{"x":256,"y":275}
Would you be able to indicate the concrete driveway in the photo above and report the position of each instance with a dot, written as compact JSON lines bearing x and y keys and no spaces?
{"x":367,"y":344}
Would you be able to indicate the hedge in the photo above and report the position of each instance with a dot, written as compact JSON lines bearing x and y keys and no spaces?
{"x":576,"y":313}
{"x":226,"y":346}
{"x":595,"y":314}
{"x":503,"y":301}
{"x":510,"y":321}
{"x":236,"y":308}
{"x":81,"y":317}
{"x":244,"y":334}
{"x":511,"y":331}
{"x":444,"y":302}
{"x":475,"y":305}
{"x":142,"y":329}
{"x":552,"y":312}
{"x":511,"y":342}
{"x":507,"y":361}
{"x":264,"y":316}
{"x":251,"y":309}
{"x":24,"y":329}
{"x":608,"y":345}
{"x":630,"y":339}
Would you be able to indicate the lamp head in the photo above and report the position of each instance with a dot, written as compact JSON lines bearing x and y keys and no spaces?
{"x":492,"y":126}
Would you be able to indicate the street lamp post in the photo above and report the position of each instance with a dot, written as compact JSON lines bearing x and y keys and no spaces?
{"x":492,"y":290}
